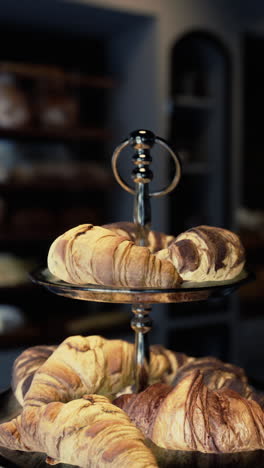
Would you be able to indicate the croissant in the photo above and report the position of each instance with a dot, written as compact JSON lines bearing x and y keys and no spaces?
{"x":156,"y":240}
{"x":88,"y":432}
{"x":190,"y":416}
{"x":165,"y":366}
{"x":216,"y":374}
{"x":93,"y":254}
{"x":93,"y":364}
{"x":206,"y":253}
{"x":25,"y":366}
{"x":81,"y":365}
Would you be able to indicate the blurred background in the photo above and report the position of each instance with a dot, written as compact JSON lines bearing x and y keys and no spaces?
{"x":76,"y":77}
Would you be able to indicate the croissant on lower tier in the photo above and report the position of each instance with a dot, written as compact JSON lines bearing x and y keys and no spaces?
{"x":25,"y":367}
{"x":94,"y":364}
{"x":191,"y":417}
{"x":81,"y":365}
{"x":200,"y":404}
{"x":88,"y":432}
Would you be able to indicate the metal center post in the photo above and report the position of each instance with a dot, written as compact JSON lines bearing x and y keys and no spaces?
{"x":142,"y":141}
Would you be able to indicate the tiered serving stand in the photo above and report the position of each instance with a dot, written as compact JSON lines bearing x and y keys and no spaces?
{"x":141,"y":299}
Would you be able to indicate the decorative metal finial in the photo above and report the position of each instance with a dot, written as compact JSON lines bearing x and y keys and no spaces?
{"x":143,"y":141}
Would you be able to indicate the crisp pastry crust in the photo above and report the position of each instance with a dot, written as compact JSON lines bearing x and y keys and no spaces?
{"x":191,"y":404}
{"x":88,"y":432}
{"x":216,"y":375}
{"x":190,"y":416}
{"x":156,"y":240}
{"x":108,"y":256}
{"x":93,"y":364}
{"x":25,"y":366}
{"x":206,"y":253}
{"x":164,"y":364}
{"x":76,"y":353}
{"x":96,"y":255}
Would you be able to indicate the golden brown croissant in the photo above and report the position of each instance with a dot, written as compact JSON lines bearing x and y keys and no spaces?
{"x":206,"y":253}
{"x":190,"y":416}
{"x":75,"y":362}
{"x":88,"y":432}
{"x":93,"y":364}
{"x":25,"y":366}
{"x":216,"y":374}
{"x":93,"y":254}
{"x":165,"y":366}
{"x":157,"y":240}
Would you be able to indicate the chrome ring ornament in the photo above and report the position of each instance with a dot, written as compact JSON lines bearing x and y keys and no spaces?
{"x":159,"y":193}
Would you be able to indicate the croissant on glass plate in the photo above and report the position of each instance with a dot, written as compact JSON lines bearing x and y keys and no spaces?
{"x":96,"y":255}
{"x":108,"y":256}
{"x":156,"y":240}
{"x":190,"y":416}
{"x":88,"y":432}
{"x":206,"y":253}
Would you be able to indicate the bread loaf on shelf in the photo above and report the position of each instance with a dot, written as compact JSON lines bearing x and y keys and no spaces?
{"x":190,"y":416}
{"x":87,"y":432}
{"x":206,"y":253}
{"x":96,"y":255}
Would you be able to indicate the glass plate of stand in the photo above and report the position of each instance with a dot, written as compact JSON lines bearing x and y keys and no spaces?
{"x":187,"y":292}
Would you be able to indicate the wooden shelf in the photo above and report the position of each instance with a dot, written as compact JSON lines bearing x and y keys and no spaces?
{"x":32,"y":71}
{"x":51,"y":134}
{"x":43,"y":194}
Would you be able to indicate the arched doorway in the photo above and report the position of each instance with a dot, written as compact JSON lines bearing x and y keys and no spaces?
{"x":199,"y":127}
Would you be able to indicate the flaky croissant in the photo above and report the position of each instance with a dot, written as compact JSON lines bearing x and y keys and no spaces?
{"x":88,"y":432}
{"x":205,"y":390}
{"x":165,"y":366}
{"x":96,"y":255}
{"x":206,"y":253}
{"x":93,"y":364}
{"x":25,"y":366}
{"x":216,"y":375}
{"x":190,"y":416}
{"x":156,"y":240}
